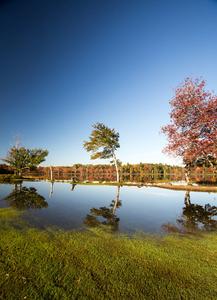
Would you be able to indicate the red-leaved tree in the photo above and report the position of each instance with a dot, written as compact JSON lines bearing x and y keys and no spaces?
{"x":192,"y":132}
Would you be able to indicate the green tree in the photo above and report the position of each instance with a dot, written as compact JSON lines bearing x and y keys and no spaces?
{"x":23,"y":158}
{"x":103,"y":143}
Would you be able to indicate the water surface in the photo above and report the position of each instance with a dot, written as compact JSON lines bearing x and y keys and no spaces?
{"x":125,"y":209}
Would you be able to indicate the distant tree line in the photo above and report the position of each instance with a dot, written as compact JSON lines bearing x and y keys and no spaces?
{"x":5,"y":169}
{"x":141,"y":168}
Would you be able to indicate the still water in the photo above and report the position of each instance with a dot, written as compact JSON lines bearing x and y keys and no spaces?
{"x":125,"y":209}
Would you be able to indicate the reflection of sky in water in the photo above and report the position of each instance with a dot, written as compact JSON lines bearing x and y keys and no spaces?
{"x":142,"y":208}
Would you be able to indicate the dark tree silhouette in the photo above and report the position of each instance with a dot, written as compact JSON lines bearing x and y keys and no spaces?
{"x":194,"y":217}
{"x":107,"y":213}
{"x":25,"y":198}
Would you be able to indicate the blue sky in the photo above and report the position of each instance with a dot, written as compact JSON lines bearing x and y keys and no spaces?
{"x":66,"y":65}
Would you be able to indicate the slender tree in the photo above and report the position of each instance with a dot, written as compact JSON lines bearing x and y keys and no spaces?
{"x":103,"y":143}
{"x":192,"y":133}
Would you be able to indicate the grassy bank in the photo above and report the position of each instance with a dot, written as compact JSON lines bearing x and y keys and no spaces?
{"x":95,"y":264}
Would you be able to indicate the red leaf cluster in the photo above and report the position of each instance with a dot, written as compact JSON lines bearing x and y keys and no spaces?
{"x":192,"y":133}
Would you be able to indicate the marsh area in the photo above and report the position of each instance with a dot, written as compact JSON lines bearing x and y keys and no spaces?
{"x":85,"y":241}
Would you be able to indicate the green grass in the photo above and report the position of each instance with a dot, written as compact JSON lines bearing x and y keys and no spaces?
{"x":96,"y":264}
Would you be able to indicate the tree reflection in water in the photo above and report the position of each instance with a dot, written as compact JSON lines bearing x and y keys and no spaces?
{"x":194,"y":217}
{"x":25,"y":198}
{"x":51,"y":189}
{"x":107,"y":213}
{"x":73,"y":186}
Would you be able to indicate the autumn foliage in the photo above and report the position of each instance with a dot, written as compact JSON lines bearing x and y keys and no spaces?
{"x":192,"y":132}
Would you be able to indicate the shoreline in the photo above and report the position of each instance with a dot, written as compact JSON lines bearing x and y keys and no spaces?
{"x":170,"y":185}
{"x":190,"y":188}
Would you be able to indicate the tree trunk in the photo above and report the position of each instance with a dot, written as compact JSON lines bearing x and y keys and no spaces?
{"x":116,"y":166}
{"x":116,"y":202}
{"x":51,"y":189}
{"x":187,"y":174}
{"x":51,"y":173}
{"x":187,"y":198}
{"x":211,"y":164}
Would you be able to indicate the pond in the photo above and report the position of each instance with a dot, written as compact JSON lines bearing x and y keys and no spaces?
{"x":125,"y":209}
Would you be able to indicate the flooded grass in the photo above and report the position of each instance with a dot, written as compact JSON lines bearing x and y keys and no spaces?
{"x":96,"y":264}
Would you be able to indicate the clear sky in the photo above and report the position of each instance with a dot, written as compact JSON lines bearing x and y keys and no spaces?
{"x":65,"y":65}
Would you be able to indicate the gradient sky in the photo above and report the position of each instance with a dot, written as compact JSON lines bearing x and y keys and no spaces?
{"x":66,"y":65}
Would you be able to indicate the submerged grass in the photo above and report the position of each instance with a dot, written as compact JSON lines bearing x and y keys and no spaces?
{"x":96,"y":264}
